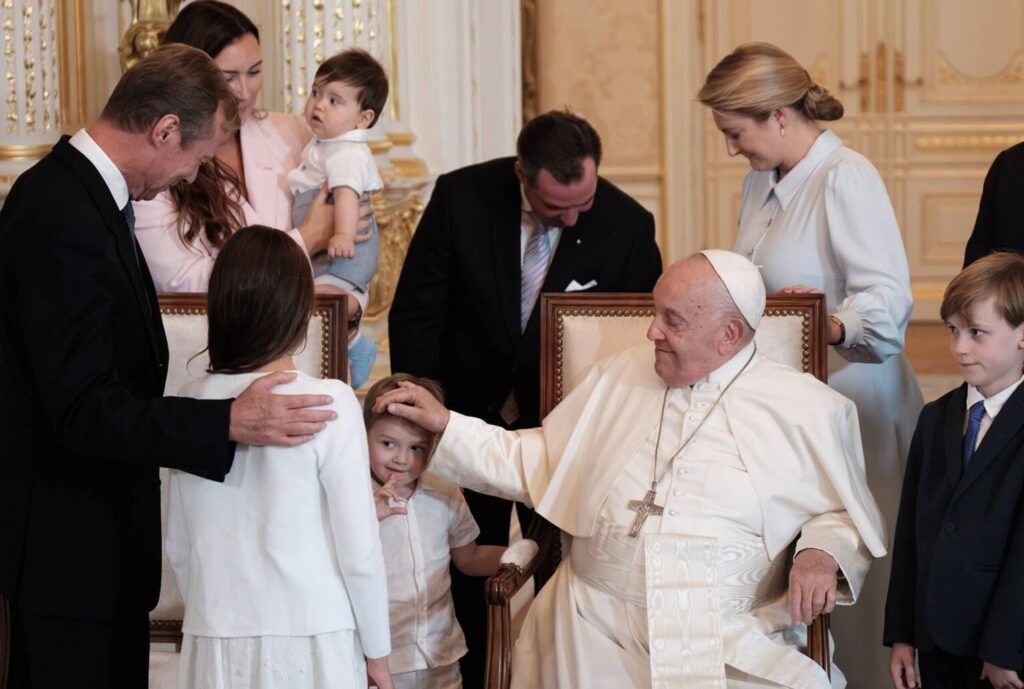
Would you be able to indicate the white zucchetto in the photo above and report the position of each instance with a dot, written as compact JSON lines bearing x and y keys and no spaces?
{"x":743,"y":281}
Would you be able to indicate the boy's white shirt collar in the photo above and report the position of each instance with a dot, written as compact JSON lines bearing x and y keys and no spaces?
{"x":359,"y":136}
{"x":112,"y":177}
{"x":993,"y":404}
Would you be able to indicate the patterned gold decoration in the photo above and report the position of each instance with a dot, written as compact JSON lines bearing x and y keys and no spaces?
{"x":28,"y":50}
{"x":149,"y":21}
{"x":981,"y":143}
{"x":10,"y":72}
{"x":948,"y":75}
{"x":397,"y":220}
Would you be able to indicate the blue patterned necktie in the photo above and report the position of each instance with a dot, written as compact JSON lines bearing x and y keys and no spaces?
{"x":975,"y":415}
{"x":535,"y":269}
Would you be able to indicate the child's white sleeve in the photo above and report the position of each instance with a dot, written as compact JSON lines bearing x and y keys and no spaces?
{"x":345,"y":477}
{"x":463,"y":529}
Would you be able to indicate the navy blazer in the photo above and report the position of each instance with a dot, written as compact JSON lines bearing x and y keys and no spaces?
{"x":957,"y":579}
{"x":455,"y":316}
{"x":84,"y":423}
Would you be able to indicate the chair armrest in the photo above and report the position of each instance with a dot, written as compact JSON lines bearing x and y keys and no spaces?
{"x":817,"y":643}
{"x":507,"y":581}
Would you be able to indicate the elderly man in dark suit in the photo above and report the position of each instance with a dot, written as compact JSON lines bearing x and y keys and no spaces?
{"x":85,"y":359}
{"x":493,"y":237}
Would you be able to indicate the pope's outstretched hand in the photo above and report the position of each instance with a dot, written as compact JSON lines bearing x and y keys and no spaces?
{"x":412,"y":402}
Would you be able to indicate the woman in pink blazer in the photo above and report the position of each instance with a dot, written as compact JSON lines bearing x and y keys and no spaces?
{"x":181,"y":230}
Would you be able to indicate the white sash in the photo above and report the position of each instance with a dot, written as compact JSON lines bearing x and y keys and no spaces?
{"x":694,"y":633}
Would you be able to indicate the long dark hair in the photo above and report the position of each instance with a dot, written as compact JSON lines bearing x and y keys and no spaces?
{"x":260,"y":300}
{"x":205,"y":205}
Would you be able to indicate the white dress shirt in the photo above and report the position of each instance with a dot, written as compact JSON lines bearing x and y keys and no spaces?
{"x":288,"y":545}
{"x":993,"y":405}
{"x":112,"y":177}
{"x":424,"y":631}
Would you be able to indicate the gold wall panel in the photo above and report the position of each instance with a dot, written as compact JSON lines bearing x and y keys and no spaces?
{"x":606,"y":68}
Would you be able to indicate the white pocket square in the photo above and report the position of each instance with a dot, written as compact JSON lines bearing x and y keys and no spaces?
{"x":577,"y":287}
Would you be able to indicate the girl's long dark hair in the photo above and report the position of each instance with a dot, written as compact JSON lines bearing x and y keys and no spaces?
{"x":260,"y":300}
{"x":212,"y":203}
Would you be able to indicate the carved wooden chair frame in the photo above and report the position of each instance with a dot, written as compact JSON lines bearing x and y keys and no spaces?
{"x":555,"y":308}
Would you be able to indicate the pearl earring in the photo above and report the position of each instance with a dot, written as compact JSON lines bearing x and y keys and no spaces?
{"x":782,"y":131}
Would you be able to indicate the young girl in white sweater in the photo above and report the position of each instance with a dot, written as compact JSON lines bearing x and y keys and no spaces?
{"x":280,"y":566}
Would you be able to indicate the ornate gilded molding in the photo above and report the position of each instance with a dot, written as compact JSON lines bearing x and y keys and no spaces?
{"x":1011,"y":74}
{"x":967,"y":142}
{"x":150,"y":19}
{"x":396,"y":220}
{"x":24,"y":152}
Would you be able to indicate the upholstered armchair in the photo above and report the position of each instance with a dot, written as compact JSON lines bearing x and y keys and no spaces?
{"x":577,"y":331}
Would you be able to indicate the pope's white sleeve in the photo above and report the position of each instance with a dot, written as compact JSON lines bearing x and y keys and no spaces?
{"x":488,"y":459}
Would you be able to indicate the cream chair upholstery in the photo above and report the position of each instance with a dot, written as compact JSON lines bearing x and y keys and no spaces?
{"x":579,"y":330}
{"x":184,"y":321}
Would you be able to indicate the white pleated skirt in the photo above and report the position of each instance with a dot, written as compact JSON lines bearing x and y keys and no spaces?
{"x":325,"y":661}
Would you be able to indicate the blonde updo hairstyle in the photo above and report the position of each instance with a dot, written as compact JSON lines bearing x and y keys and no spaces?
{"x":757,"y":79}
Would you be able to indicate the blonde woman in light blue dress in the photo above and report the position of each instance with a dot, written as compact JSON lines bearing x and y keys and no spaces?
{"x":816,"y":217}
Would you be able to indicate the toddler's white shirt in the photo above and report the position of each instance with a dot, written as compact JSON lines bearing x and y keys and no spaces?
{"x":344,"y":161}
{"x":417,"y":547}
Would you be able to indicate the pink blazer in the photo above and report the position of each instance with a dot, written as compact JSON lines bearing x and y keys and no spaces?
{"x":271,"y":147}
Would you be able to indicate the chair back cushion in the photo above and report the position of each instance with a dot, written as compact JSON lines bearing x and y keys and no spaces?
{"x":579,"y":330}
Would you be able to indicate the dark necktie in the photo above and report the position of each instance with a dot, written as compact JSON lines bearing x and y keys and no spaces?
{"x":129,"y":217}
{"x":975,"y":415}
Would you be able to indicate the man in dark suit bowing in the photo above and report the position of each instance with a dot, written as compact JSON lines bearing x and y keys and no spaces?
{"x":85,"y":359}
{"x":492,"y":238}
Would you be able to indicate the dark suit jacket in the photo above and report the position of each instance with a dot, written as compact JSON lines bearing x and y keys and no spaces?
{"x":1000,"y":222}
{"x":83,"y":423}
{"x":455,"y":315}
{"x":957,"y":577}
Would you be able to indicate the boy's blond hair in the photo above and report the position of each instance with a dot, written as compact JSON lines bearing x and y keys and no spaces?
{"x":390,"y":383}
{"x":999,"y":275}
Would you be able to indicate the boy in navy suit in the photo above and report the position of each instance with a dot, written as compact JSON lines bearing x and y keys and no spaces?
{"x":956,"y":592}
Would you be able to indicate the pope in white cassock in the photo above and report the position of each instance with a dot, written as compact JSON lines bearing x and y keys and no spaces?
{"x":691,"y":476}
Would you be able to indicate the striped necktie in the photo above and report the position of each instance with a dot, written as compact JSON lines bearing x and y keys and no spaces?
{"x":535,"y":269}
{"x":974,"y":417}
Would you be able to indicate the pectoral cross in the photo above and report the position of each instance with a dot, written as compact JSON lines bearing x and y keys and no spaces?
{"x":643,"y":509}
